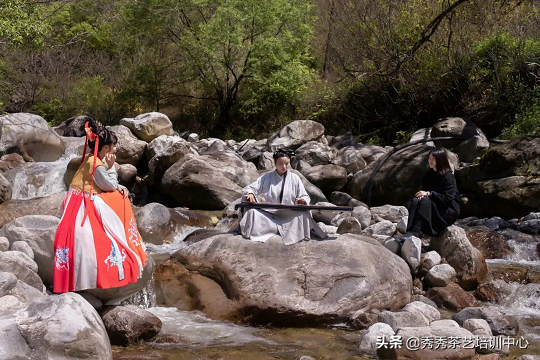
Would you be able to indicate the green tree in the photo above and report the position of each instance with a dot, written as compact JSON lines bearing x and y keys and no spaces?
{"x":234,"y":50}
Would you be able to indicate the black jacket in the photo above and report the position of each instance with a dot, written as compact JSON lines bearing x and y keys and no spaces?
{"x":444,"y":198}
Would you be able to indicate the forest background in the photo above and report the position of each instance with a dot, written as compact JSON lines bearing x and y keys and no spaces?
{"x":242,"y":68}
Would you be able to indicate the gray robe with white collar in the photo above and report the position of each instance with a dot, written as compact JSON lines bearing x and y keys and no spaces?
{"x":293,"y":226}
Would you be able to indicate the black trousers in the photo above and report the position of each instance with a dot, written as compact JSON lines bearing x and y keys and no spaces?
{"x":418,"y":209}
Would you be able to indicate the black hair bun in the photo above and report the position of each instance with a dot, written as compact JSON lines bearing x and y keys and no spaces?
{"x":284,"y":153}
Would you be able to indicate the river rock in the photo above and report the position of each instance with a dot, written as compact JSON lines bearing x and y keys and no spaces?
{"x":388,"y":212}
{"x":127,"y":174}
{"x":11,"y":161}
{"x":22,"y":266}
{"x":370,"y":153}
{"x":24,"y":248}
{"x":469,"y":263}
{"x":350,"y":158}
{"x":149,"y":126}
{"x":73,"y":127}
{"x":430,"y":312}
{"x":155,"y":223}
{"x":478,"y":327}
{"x":343,"y":199}
{"x":164,"y":151}
{"x":266,"y":161}
{"x":454,"y":127}
{"x":313,"y":191}
{"x":411,"y":251}
{"x":405,"y":352}
{"x":295,"y":134}
{"x":349,"y":225}
{"x":38,"y":231}
{"x":5,"y":189}
{"x":368,"y":345}
{"x":422,"y":134}
{"x":8,"y":281}
{"x":508,"y":182}
{"x":451,"y":297}
{"x":47,"y":205}
{"x":490,"y":243}
{"x":304,"y":285}
{"x":315,"y":153}
{"x":401,"y":319}
{"x":445,"y":323}
{"x":4,"y":244}
{"x":127,"y":325}
{"x":430,"y":259}
{"x":499,"y":323}
{"x":384,"y":227}
{"x":208,"y":181}
{"x":31,"y":136}
{"x":328,"y":178}
{"x":440,"y":275}
{"x":129,"y":149}
{"x":61,"y":326}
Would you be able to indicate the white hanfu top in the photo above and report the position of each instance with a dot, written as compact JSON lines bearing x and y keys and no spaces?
{"x":293,"y":226}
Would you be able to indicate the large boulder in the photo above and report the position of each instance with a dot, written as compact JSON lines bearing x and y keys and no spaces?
{"x":30,"y":135}
{"x":315,"y":194}
{"x":315,"y":153}
{"x":370,"y":153}
{"x":57,"y":327}
{"x":398,"y":179}
{"x":277,"y":283}
{"x":422,"y":134}
{"x":38,"y":231}
{"x":129,"y":148}
{"x":350,"y":158}
{"x":469,"y":263}
{"x":328,"y":178}
{"x":47,"y":205}
{"x":164,"y":151}
{"x":149,"y":126}
{"x":519,"y":157}
{"x":472,"y":142}
{"x":295,"y":134}
{"x":209,"y":181}
{"x":5,"y":189}
{"x":506,"y":180}
{"x":73,"y":127}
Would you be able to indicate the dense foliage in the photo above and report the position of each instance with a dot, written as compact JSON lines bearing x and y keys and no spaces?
{"x":238,"y":68}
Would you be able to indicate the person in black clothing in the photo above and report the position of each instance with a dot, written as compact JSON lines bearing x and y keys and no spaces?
{"x":436,"y":206}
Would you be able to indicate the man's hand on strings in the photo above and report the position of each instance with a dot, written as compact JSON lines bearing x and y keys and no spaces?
{"x":250,"y":198}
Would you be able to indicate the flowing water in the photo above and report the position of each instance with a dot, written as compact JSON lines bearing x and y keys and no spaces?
{"x":190,"y":335}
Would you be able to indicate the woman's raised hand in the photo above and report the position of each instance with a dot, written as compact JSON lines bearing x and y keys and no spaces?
{"x":110,"y":159}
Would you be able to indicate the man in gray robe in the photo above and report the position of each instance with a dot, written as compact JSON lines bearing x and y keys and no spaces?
{"x":293,"y":225}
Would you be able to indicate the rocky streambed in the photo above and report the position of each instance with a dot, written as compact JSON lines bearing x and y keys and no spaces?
{"x":211,"y":294}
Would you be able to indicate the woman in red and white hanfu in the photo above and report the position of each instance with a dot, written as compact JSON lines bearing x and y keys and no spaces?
{"x":97,"y":244}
